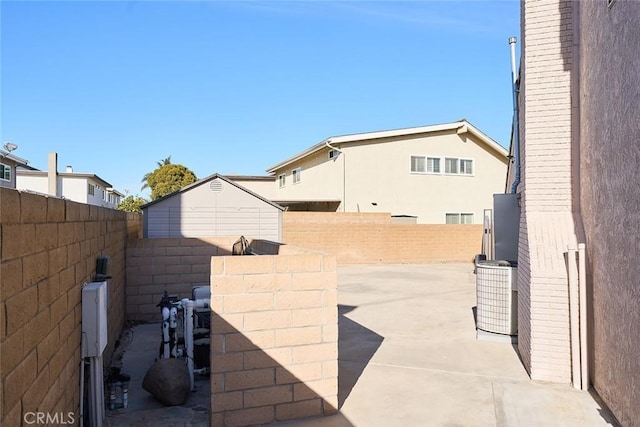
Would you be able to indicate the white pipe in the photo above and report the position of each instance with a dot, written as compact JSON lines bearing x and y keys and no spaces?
{"x":574,"y":318}
{"x":344,"y":171}
{"x":96,"y":392}
{"x":81,"y":392}
{"x":165,"y":333}
{"x":584,"y":350}
{"x":187,"y":306}
{"x":173,"y":345}
{"x":201,"y":303}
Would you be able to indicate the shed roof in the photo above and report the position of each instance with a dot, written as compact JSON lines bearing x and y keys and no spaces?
{"x":208,"y":179}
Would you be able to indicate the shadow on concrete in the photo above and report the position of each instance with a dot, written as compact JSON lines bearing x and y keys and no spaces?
{"x":474,"y":310}
{"x":604,"y":410}
{"x":143,"y":409}
{"x":356,"y":347}
{"x":248,"y":385}
{"x":488,"y":336}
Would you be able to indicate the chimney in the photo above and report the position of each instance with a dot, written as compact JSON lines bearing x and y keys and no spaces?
{"x":52,"y":174}
{"x":69,"y":169}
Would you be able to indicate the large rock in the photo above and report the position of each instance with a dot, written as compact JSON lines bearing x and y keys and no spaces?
{"x":168,"y":381}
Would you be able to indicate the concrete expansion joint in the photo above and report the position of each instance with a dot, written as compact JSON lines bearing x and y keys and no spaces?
{"x":444,"y":371}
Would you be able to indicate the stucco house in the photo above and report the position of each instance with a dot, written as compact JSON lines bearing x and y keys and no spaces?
{"x":80,"y":187}
{"x":8,"y":164}
{"x":259,"y":184}
{"x":576,"y":174}
{"x":445,"y":173}
{"x":211,"y":207}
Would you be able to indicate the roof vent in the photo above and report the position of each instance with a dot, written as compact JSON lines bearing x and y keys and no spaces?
{"x":215,"y":186}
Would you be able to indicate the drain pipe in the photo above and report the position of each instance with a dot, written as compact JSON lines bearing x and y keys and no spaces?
{"x":516,"y":131}
{"x":344,"y":171}
{"x":82,"y":364}
{"x":188,"y":306}
{"x":574,"y":317}
{"x":582,"y":280}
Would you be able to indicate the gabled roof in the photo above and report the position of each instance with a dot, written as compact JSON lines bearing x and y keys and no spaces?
{"x":461,"y":126}
{"x":251,"y":177}
{"x":204,"y":181}
{"x":18,"y":160}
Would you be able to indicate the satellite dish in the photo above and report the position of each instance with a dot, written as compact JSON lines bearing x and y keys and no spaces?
{"x":9,"y":146}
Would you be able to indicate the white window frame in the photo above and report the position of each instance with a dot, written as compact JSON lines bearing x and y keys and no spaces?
{"x":4,"y":170}
{"x":455,"y":161}
{"x":91,"y":189}
{"x":442,"y":165}
{"x":459,"y":216}
{"x":333,"y":154}
{"x":282,"y":180}
{"x":459,"y":162}
{"x":439,"y":159}
{"x":473,"y":167}
{"x":424,"y":161}
{"x":297,"y":175}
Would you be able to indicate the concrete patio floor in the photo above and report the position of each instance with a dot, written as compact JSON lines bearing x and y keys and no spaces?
{"x":408,"y":357}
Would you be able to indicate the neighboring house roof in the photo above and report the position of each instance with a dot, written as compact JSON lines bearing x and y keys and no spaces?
{"x":303,"y":201}
{"x":18,"y":160}
{"x":204,"y":181}
{"x":461,"y":126}
{"x":65,"y":174}
{"x":26,"y":167}
{"x":251,"y":177}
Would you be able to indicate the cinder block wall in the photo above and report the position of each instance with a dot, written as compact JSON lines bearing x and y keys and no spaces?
{"x":364,"y":238}
{"x":48,"y":252}
{"x":274,"y":337}
{"x":174,"y":265}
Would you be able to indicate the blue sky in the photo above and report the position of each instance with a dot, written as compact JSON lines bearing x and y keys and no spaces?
{"x":235,"y":87}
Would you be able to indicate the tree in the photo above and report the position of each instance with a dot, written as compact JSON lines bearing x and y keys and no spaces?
{"x":145,"y":178}
{"x":167,"y":178}
{"x":131,"y":204}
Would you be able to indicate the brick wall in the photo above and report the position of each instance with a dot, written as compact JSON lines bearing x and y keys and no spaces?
{"x":174,"y":265}
{"x":49,"y":248}
{"x":355,"y":238}
{"x":274,"y":337}
{"x":547,"y":226}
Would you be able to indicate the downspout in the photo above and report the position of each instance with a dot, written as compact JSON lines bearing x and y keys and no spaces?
{"x":584,"y":317}
{"x":574,"y":316}
{"x":516,"y":131}
{"x":344,"y":171}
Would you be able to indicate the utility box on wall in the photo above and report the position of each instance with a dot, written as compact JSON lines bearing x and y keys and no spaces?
{"x":506,"y":226}
{"x":94,"y":319}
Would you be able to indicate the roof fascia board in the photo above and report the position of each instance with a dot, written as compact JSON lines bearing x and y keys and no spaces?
{"x":317,"y":147}
{"x":462,"y":125}
{"x":13,"y":157}
{"x":487,"y":140}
